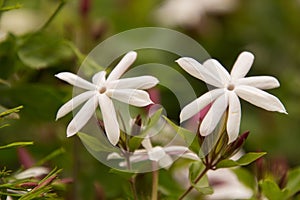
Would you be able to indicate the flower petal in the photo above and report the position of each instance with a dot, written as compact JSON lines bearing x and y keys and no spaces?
{"x":181,"y":151}
{"x":122,"y":66}
{"x":197,"y":70}
{"x":99,"y":78}
{"x":141,"y":82}
{"x":214,"y":115}
{"x":32,"y":172}
{"x":109,"y":118}
{"x":147,"y":143}
{"x":195,"y":106}
{"x":133,"y":97}
{"x":234,"y":117}
{"x":166,"y":161}
{"x":218,"y":70}
{"x":73,"y":103}
{"x":75,"y":80}
{"x":82,"y":117}
{"x":242,"y":65}
{"x":156,"y":153}
{"x":261,"y":82}
{"x":260,"y":98}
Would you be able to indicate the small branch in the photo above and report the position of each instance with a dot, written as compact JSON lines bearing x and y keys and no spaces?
{"x":154,"y":182}
{"x":133,"y":188}
{"x":59,"y":7}
{"x":195,"y":182}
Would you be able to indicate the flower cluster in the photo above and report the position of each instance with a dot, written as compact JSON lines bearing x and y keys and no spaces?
{"x":225,"y":96}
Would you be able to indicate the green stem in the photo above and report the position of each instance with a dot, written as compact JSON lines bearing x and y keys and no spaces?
{"x":194,"y":182}
{"x":133,"y":188}
{"x":154,"y":182}
{"x":59,"y":7}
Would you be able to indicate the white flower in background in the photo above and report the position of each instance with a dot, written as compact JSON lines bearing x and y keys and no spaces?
{"x":19,"y":22}
{"x":101,"y":92}
{"x":226,"y":185}
{"x":32,"y":172}
{"x":190,"y":12}
{"x":228,"y":88}
{"x":164,"y":156}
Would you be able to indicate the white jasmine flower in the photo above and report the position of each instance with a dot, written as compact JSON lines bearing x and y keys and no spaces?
{"x":20,"y":21}
{"x":190,"y":12}
{"x":101,"y":91}
{"x":229,"y":87}
{"x":32,"y":172}
{"x":227,"y":186}
{"x":164,"y":156}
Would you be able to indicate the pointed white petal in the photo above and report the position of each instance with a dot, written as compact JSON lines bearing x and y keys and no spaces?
{"x":133,"y":97}
{"x":242,"y":65}
{"x":82,"y":117}
{"x":261,"y":82}
{"x":110,"y":119}
{"x":181,"y":151}
{"x":214,"y":115}
{"x":197,"y":70}
{"x":141,"y":82}
{"x":147,"y":143}
{"x":260,"y":98}
{"x":73,"y":103}
{"x":166,"y":161}
{"x":218,"y":70}
{"x":32,"y":172}
{"x":234,"y":116}
{"x":99,"y":78}
{"x":122,"y":66}
{"x":75,"y":80}
{"x":113,"y":156}
{"x":156,"y":153}
{"x":195,"y":106}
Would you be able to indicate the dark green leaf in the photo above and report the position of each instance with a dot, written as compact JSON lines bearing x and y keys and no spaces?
{"x":40,"y":51}
{"x":123,"y":174}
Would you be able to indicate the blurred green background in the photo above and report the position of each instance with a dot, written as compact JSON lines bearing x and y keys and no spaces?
{"x":28,"y":61}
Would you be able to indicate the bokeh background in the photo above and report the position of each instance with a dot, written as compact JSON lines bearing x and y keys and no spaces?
{"x":30,"y":55}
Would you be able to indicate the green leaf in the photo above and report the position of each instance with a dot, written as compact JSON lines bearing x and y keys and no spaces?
{"x":245,"y":177}
{"x":227,"y":163}
{"x":293,"y":181}
{"x":195,"y":169}
{"x":41,"y":51}
{"x":250,"y":157}
{"x":123,"y":174}
{"x":244,"y":160}
{"x":271,"y":190}
{"x":202,"y":185}
{"x":152,"y":121}
{"x":16,"y":144}
{"x":94,"y":144}
{"x":188,"y":136}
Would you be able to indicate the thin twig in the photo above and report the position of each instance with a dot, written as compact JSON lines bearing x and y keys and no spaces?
{"x":59,"y":7}
{"x":194,"y":182}
{"x":154,"y":182}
